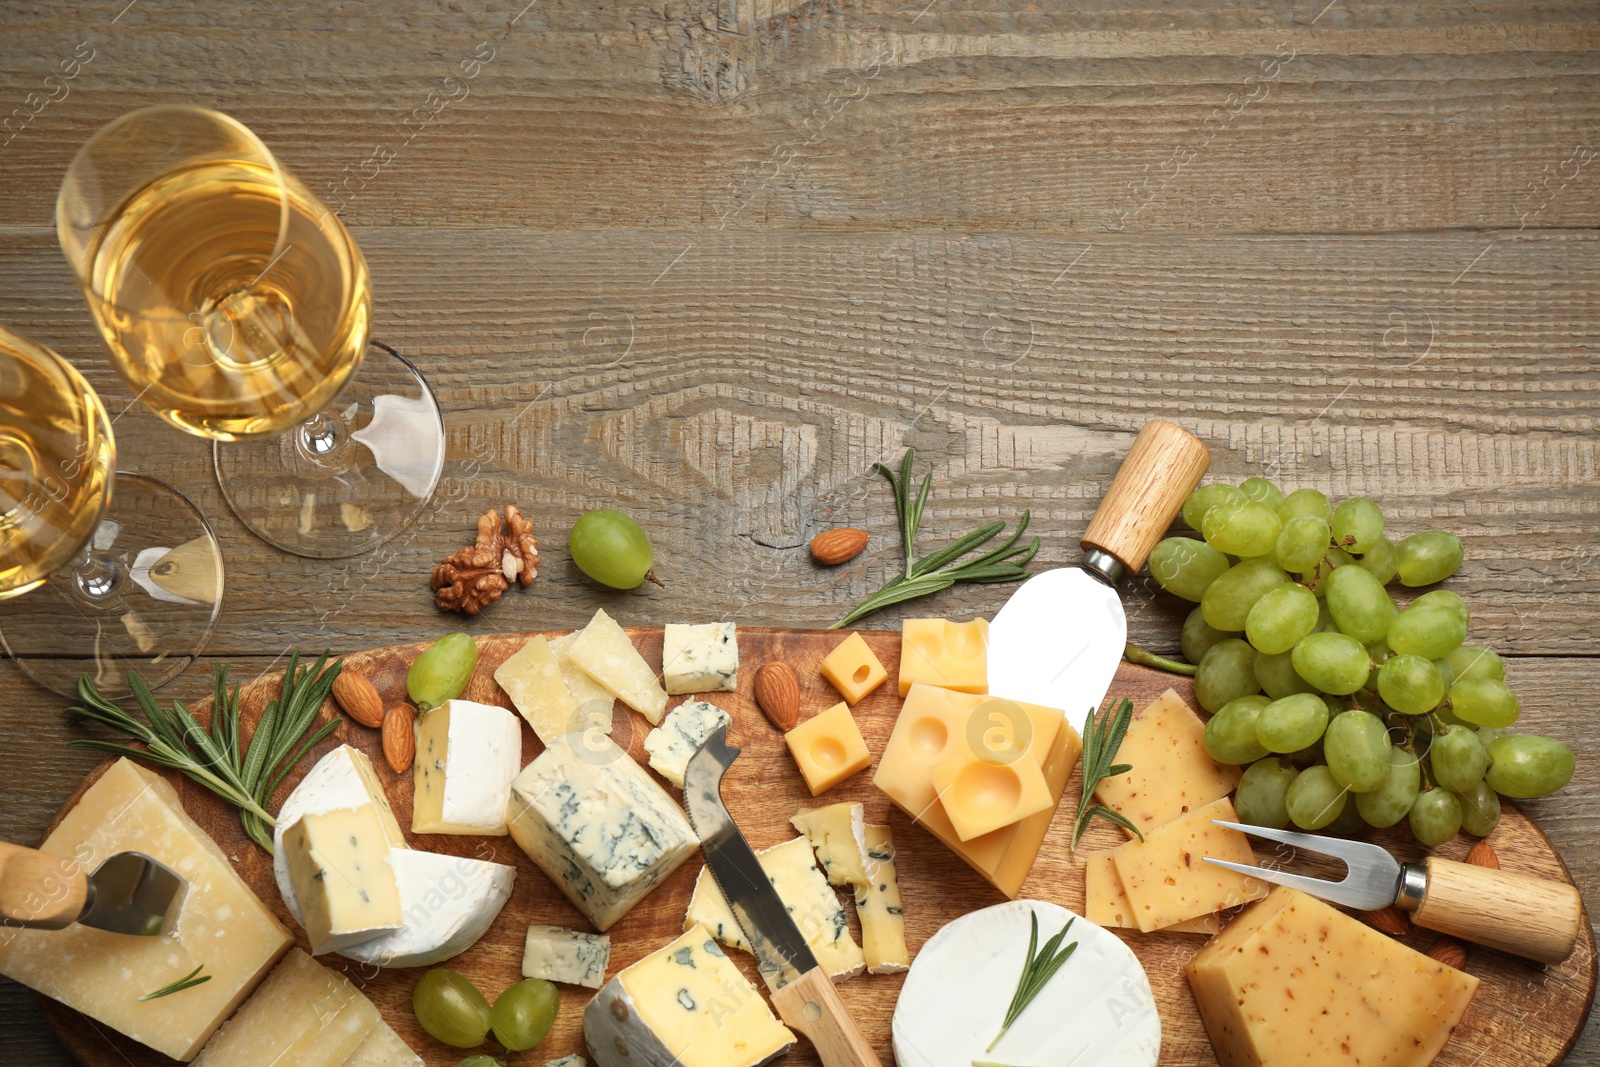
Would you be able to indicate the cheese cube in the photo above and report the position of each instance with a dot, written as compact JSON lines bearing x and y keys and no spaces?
{"x":304,"y":1014}
{"x":383,"y":1048}
{"x":598,"y":825}
{"x":950,"y":655}
{"x":1293,"y":981}
{"x":532,"y":679}
{"x":1164,"y":875}
{"x":680,"y":736}
{"x":220,"y":923}
{"x":804,"y":891}
{"x":981,"y":795}
{"x":594,"y":700}
{"x":701,"y":658}
{"x":339,"y":865}
{"x":1172,"y":773}
{"x":605,"y":653}
{"x":560,"y":955}
{"x":883,"y":922}
{"x":1105,"y":904}
{"x":685,"y":1003}
{"x":467,"y":754}
{"x":828,"y":748}
{"x":853,"y":669}
{"x":838,"y":832}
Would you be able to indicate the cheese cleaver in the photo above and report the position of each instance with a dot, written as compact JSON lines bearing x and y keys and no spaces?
{"x":129,"y":893}
{"x":1058,"y":640}
{"x":801,"y":991}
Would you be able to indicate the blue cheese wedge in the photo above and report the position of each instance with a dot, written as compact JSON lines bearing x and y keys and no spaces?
{"x":680,"y":735}
{"x":700,"y":658}
{"x":598,"y":825}
{"x":557,"y":954}
{"x":839,"y":834}
{"x":605,"y":653}
{"x":883,"y":920}
{"x":467,"y":754}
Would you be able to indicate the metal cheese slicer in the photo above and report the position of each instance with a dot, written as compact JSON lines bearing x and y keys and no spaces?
{"x":1517,"y":913}
{"x":130,"y":893}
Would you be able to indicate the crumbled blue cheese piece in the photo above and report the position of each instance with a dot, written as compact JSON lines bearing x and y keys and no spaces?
{"x":680,"y":735}
{"x":700,"y":658}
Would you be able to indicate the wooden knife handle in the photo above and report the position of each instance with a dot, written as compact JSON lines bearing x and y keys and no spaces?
{"x":39,"y":890}
{"x":1522,"y":914}
{"x":812,"y":1006}
{"x":1162,"y":468}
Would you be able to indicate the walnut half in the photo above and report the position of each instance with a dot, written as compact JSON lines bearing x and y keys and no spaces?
{"x":474,"y":577}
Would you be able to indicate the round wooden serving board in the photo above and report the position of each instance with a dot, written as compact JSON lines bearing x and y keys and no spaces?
{"x":1523,"y":1015}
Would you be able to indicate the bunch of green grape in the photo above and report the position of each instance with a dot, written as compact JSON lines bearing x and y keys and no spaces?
{"x":1345,"y":709}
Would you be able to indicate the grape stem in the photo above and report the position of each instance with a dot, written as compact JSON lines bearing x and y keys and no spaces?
{"x":1134,"y":654}
{"x":650,"y":576}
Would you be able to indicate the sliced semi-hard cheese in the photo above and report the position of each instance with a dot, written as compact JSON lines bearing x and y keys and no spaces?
{"x":804,"y":891}
{"x":883,"y":921}
{"x":700,"y":658}
{"x":467,"y":754}
{"x":597,"y":824}
{"x":687,"y":1004}
{"x":680,"y":735}
{"x":950,"y":655}
{"x":383,"y":1048}
{"x":339,"y":866}
{"x":1165,"y":876}
{"x":1106,"y":904}
{"x":594,"y":700}
{"x":1293,"y":981}
{"x":1172,"y":773}
{"x":557,"y":954}
{"x":839,"y":834}
{"x":532,"y":679}
{"x":304,"y":1014}
{"x":605,"y":653}
{"x":221,"y":924}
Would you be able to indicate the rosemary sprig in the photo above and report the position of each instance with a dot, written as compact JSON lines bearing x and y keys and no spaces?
{"x":940,"y":571}
{"x":188,"y":981}
{"x":244,"y":775}
{"x":1101,"y":739}
{"x":1037,"y":971}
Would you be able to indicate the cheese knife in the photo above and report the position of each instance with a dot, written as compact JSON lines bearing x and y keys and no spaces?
{"x":1058,"y":640}
{"x":129,"y":893}
{"x":801,"y":991}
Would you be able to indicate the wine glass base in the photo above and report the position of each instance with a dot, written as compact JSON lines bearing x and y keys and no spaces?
{"x":351,"y":477}
{"x":143,"y":596}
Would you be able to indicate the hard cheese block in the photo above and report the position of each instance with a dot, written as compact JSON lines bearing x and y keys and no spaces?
{"x":1172,"y":774}
{"x":532,"y":679}
{"x":605,"y":653}
{"x":804,"y":891}
{"x":883,"y":922}
{"x":680,"y":735}
{"x":686,"y":1004}
{"x":950,"y":655}
{"x":467,"y":754}
{"x":304,"y":1014}
{"x":980,"y":795}
{"x":1164,"y":875}
{"x":700,"y":658}
{"x":1106,"y":904}
{"x":557,"y":954}
{"x":594,"y":700}
{"x":597,"y":824}
{"x":339,"y":866}
{"x":838,"y":833}
{"x":1293,"y":982}
{"x":221,"y":924}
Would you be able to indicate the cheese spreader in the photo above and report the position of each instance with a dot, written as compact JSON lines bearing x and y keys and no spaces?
{"x":129,"y":893}
{"x":1058,"y":640}
{"x":1522,"y":914}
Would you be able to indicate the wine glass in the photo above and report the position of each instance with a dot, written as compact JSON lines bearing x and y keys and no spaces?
{"x":237,"y":307}
{"x":136,"y":586}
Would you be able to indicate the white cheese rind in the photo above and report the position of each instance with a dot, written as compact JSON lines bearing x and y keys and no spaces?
{"x":700,"y":658}
{"x":557,"y":954}
{"x":467,"y":754}
{"x":680,"y":735}
{"x":605,"y":653}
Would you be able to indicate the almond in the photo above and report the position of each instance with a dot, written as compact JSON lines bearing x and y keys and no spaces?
{"x":357,"y":698}
{"x":778,"y":693}
{"x":1450,"y":952}
{"x":1483,"y":855}
{"x":399,"y":738}
{"x":832,"y":547}
{"x":1391,"y":920}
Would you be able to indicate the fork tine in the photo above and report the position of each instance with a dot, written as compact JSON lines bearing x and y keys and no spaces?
{"x":1338,"y":892}
{"x":1324,"y":846}
{"x":1371,"y":871}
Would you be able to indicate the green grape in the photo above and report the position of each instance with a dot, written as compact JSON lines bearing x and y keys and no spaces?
{"x":1324,"y":618}
{"x":1428,"y":631}
{"x":1435,"y":817}
{"x":1314,"y":799}
{"x":1306,"y":502}
{"x":1228,"y":600}
{"x":1458,"y":759}
{"x":1337,"y":705}
{"x":1470,"y":661}
{"x":451,"y":1008}
{"x":1276,"y":675}
{"x":1488,"y":735}
{"x":1308,"y":756}
{"x":610,"y":547}
{"x":1526,"y":766}
{"x":1357,"y":525}
{"x":1348,"y":823}
{"x":1410,"y":685}
{"x":1444,"y":598}
{"x":1291,"y":723}
{"x":1381,"y":561}
{"x":480,"y":1060}
{"x":1284,"y":614}
{"x":524,"y":1013}
{"x":1225,"y":673}
{"x":442,"y":671}
{"x":1359,"y":604}
{"x":1392,"y":800}
{"x":1301,"y":543}
{"x":1483,"y":702}
{"x":1447,"y":673}
{"x":1316,"y":579}
{"x":1480,"y":810}
{"x":1425,"y":558}
{"x":1259,"y":798}
{"x":1357,"y":749}
{"x":1198,"y":636}
{"x":1185,"y":567}
{"x":1262,"y":491}
{"x":1332,"y":662}
{"x":1242,"y":528}
{"x":1230,"y":735}
{"x":1204,"y":499}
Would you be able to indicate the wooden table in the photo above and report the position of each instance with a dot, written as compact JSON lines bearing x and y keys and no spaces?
{"x":706,"y":262}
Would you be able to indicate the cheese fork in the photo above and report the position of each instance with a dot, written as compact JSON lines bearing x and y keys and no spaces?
{"x":129,"y":893}
{"x":1521,"y":914}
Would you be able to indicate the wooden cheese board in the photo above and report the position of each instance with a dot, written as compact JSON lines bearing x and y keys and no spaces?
{"x":1524,"y":1015}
